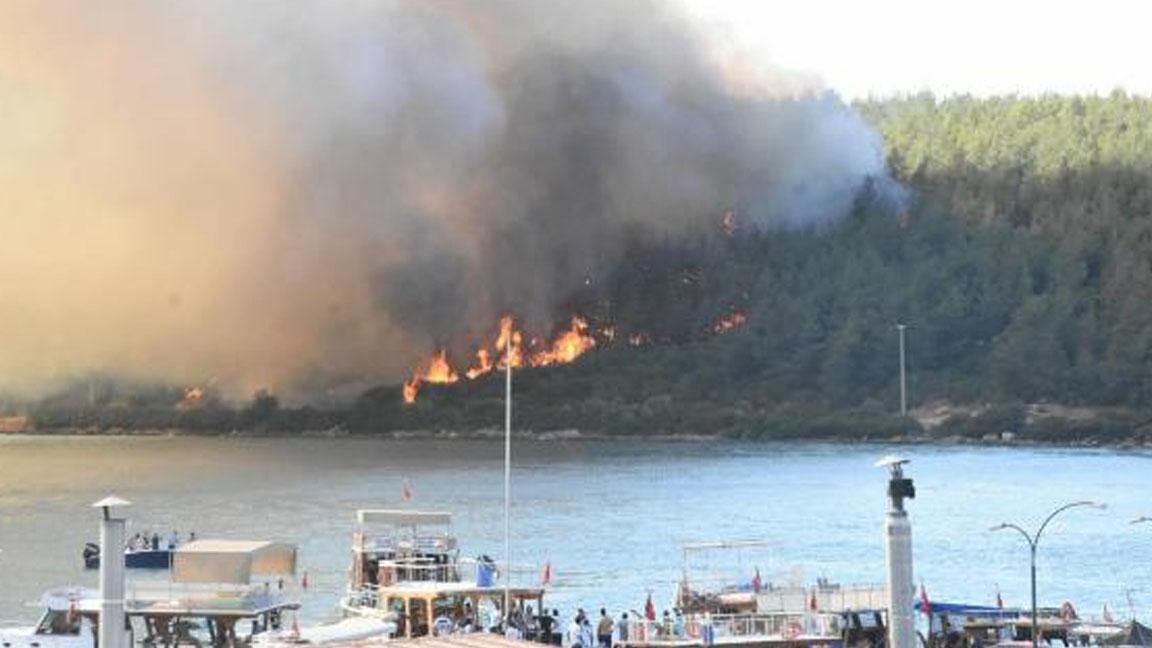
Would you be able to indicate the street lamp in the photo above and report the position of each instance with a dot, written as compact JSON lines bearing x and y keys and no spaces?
{"x":1033,"y":542}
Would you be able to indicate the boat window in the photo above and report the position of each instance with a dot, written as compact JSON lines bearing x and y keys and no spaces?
{"x":59,"y":622}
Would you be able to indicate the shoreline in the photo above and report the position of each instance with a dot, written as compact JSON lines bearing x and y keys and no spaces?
{"x":1135,"y":442}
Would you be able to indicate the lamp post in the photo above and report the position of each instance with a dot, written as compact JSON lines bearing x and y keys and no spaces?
{"x":898,"y":550}
{"x":1034,"y":541}
{"x":111,"y":632}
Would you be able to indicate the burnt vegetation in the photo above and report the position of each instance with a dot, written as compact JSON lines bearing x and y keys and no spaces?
{"x":1022,"y":265}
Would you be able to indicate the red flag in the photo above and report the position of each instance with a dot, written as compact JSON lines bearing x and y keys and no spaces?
{"x":1107,"y":615}
{"x":925,"y":603}
{"x":406,"y":491}
{"x":304,"y":581}
{"x":756,"y":582}
{"x":649,"y":609}
{"x":813,"y":604}
{"x":546,"y":574}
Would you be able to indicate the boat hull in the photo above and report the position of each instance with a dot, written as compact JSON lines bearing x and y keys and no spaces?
{"x":143,"y":559}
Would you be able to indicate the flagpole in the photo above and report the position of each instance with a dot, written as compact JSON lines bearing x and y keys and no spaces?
{"x":507,"y":478}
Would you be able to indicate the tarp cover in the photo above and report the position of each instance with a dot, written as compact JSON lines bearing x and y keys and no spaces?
{"x":231,"y":561}
{"x":1134,"y":635}
{"x":965,"y":609}
{"x":403,"y":518}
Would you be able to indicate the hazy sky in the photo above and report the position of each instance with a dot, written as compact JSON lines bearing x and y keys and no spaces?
{"x":881,"y":47}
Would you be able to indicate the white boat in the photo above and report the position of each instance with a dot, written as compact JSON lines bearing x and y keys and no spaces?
{"x":219,"y":593}
{"x":67,"y":622}
{"x":360,"y":630}
{"x":406,"y":568}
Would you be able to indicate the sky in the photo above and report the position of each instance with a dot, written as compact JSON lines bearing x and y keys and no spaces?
{"x":979,"y":47}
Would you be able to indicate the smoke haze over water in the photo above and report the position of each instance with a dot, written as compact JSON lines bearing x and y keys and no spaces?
{"x":296,"y":195}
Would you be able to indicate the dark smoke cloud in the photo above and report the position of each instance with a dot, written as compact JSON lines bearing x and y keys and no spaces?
{"x":332,"y":188}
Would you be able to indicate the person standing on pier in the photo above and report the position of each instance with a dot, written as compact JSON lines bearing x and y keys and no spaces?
{"x":544,"y":622}
{"x":557,"y":637}
{"x":622,"y":629}
{"x":604,"y":629}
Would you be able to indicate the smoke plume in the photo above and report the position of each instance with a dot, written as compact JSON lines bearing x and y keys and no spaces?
{"x":303,"y":195}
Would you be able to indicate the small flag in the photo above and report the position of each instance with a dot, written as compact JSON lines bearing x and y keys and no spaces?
{"x":925,"y":603}
{"x":304,"y":581}
{"x":1107,"y":616}
{"x":649,"y":609}
{"x":813,"y":604}
{"x":406,"y":491}
{"x":756,"y":582}
{"x":546,"y":574}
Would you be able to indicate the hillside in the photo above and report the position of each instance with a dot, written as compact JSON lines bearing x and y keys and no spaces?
{"x":1021,"y":263}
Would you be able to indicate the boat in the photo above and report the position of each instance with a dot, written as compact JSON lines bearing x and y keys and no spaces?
{"x":219,"y":593}
{"x":406,"y":568}
{"x":744,"y":612}
{"x":133,"y":558}
{"x":144,"y":552}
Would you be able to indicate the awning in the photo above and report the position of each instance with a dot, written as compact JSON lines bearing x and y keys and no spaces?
{"x":965,"y":609}
{"x":231,"y":561}
{"x":403,"y":518}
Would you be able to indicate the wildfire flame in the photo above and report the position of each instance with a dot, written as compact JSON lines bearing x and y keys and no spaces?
{"x":568,"y":346}
{"x":483,"y":365}
{"x":729,"y":322}
{"x":565,"y":347}
{"x":439,"y":372}
{"x":193,"y":397}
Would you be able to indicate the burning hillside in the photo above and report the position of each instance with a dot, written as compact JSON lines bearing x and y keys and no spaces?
{"x":381,"y":171}
{"x":563,"y":348}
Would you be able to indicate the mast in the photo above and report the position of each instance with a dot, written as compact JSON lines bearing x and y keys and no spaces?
{"x":507,"y":478}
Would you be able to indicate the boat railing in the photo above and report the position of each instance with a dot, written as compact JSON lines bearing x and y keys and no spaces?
{"x":714,"y":627}
{"x":428,"y":544}
{"x":145,"y":595}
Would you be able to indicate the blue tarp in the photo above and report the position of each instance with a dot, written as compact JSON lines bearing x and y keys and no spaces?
{"x":965,"y":609}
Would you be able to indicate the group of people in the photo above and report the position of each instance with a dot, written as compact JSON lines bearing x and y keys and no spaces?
{"x":582,"y":631}
{"x":145,"y":542}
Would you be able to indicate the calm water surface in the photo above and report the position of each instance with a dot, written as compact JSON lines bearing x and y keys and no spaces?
{"x":610,"y":516}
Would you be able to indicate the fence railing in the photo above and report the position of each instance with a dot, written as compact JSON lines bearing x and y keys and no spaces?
{"x":720,"y":627}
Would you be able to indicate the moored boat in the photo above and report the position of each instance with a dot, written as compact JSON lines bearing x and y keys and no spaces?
{"x":406,"y":567}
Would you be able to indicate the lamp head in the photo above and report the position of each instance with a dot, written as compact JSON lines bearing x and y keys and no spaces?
{"x":109,"y":503}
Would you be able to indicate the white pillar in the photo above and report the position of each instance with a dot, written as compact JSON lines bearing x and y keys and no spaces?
{"x":898,"y":549}
{"x":112,"y":609}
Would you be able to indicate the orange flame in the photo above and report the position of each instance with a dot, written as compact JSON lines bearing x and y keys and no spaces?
{"x":729,"y":322}
{"x":193,"y":397}
{"x":568,"y":346}
{"x":439,"y":372}
{"x":516,"y":352}
{"x":483,"y":365}
{"x":411,"y":388}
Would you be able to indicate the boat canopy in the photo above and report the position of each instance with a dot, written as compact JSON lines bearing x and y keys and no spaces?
{"x":965,"y":609}
{"x":403,"y":518}
{"x":231,"y":561}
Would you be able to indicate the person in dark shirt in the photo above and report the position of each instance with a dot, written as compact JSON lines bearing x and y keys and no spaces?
{"x":545,"y":623}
